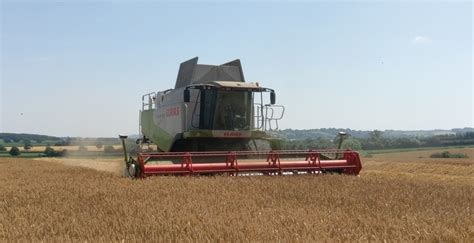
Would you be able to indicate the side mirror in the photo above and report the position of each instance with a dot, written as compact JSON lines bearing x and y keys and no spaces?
{"x":272,"y":98}
{"x":187,"y":95}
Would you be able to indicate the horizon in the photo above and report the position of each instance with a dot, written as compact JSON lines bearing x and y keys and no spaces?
{"x":79,"y":69}
{"x":131,"y":135}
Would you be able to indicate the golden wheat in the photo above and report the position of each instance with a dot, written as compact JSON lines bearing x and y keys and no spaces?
{"x":402,"y":201}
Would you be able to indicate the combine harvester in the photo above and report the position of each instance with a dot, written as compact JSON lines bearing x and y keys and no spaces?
{"x":213,"y":122}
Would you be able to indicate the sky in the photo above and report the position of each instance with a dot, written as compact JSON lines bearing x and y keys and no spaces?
{"x":80,"y":68}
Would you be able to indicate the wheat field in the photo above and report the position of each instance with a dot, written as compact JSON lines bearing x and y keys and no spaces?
{"x":397,"y":197}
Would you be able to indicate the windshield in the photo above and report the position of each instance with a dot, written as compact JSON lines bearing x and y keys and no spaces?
{"x":232,"y":110}
{"x":225,"y":110}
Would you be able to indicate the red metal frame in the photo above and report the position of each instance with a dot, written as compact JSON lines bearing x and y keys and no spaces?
{"x":249,"y":162}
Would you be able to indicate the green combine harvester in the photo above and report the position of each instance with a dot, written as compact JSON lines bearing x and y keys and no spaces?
{"x":214,"y":122}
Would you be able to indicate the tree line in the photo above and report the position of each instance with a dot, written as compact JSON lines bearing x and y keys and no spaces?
{"x":377,"y":140}
{"x":29,"y":140}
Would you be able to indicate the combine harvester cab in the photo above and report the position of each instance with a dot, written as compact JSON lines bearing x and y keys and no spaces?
{"x":213,"y":122}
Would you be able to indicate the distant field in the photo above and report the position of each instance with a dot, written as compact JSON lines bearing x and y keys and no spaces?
{"x":398,"y":197}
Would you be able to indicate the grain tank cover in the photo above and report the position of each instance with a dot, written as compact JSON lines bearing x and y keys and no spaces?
{"x":192,"y":73}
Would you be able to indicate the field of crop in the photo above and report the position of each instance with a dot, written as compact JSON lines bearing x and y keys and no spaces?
{"x":398,"y":196}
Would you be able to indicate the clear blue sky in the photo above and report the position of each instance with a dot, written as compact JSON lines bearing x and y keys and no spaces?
{"x":79,"y":69}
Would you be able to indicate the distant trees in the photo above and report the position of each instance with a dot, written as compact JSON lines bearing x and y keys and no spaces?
{"x":14,"y":151}
{"x":109,"y":149}
{"x":50,"y":152}
{"x":326,"y":133}
{"x":318,"y":143}
{"x":27,"y":144}
{"x":17,"y":137}
{"x":378,"y":140}
{"x":289,"y":139}
{"x":63,"y":142}
{"x":468,"y":135}
{"x":33,"y":139}
{"x":352,"y":143}
{"x":447,"y":154}
{"x":99,"y":145}
{"x":375,"y":140}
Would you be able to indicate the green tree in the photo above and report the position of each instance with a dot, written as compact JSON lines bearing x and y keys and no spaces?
{"x":275,"y":144}
{"x":109,"y":149}
{"x":50,"y":152}
{"x":27,"y":144}
{"x":324,"y":143}
{"x":376,"y":135}
{"x":14,"y":151}
{"x":99,"y":145}
{"x":376,"y":140}
{"x":2,"y":148}
{"x":352,"y":143}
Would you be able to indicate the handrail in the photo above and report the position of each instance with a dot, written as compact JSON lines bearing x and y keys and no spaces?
{"x":150,"y":104}
{"x":269,"y":118}
{"x":185,"y":118}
